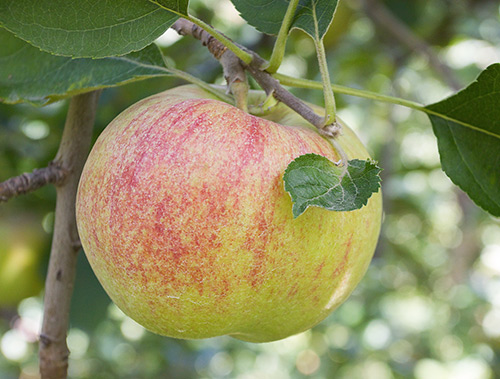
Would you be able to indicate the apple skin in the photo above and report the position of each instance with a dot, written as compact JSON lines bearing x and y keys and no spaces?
{"x":183,"y":216}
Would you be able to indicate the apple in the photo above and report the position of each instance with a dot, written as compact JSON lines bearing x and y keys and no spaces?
{"x":183,"y":216}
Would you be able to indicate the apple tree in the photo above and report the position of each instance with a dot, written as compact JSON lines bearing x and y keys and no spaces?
{"x":92,"y":53}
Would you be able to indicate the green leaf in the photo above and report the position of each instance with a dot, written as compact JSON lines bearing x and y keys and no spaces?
{"x":30,"y":75}
{"x":467,"y":126}
{"x":312,"y":179}
{"x":312,"y":16}
{"x":90,"y":28}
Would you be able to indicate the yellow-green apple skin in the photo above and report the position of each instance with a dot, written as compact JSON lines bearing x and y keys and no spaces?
{"x":183,"y":216}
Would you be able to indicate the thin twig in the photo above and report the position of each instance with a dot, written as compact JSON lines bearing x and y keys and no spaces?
{"x":272,"y":85}
{"x":265,"y":80}
{"x":234,"y":73}
{"x":73,"y":150}
{"x":385,"y":20}
{"x":29,"y":182}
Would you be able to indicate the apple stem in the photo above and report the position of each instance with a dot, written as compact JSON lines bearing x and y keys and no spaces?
{"x":236,"y":78}
{"x":72,"y":153}
{"x":330,"y":108}
{"x":272,"y":86}
{"x":255,"y":68}
{"x":343,"y":161}
{"x":200,"y":83}
{"x":222,"y":39}
{"x":240,"y":92}
{"x":234,"y":73}
{"x":313,"y":84}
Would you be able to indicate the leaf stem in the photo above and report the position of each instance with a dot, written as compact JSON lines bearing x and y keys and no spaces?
{"x":279,"y":45}
{"x":239,"y":52}
{"x":200,"y":83}
{"x":343,"y":159}
{"x":312,"y":84}
{"x":330,"y":108}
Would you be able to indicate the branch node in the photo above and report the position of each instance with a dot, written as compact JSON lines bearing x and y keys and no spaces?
{"x":234,"y":70}
{"x":54,"y":173}
{"x":45,"y":340}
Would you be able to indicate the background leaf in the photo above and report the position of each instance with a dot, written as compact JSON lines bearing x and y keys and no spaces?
{"x":312,"y":179}
{"x":471,"y":157}
{"x":28,"y":74}
{"x":91,"y":28}
{"x":267,"y":16}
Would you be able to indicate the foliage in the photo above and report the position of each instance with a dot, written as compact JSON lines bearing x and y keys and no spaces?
{"x":313,"y":180}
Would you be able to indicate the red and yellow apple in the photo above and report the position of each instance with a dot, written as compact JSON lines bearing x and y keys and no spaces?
{"x":183,"y":216}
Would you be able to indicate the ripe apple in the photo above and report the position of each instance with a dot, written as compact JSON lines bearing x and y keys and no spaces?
{"x":183,"y":216}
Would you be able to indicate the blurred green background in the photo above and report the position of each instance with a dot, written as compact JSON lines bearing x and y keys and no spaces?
{"x":429,"y":306}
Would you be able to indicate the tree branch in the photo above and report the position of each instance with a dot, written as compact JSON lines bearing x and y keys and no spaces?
{"x":273,"y":86}
{"x":73,"y":150}
{"x":385,"y":20}
{"x":233,"y":71}
{"x":29,"y":182}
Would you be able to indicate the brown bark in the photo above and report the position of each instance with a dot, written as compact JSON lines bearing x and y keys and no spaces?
{"x":29,"y":182}
{"x":234,"y":73}
{"x":73,"y":150}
